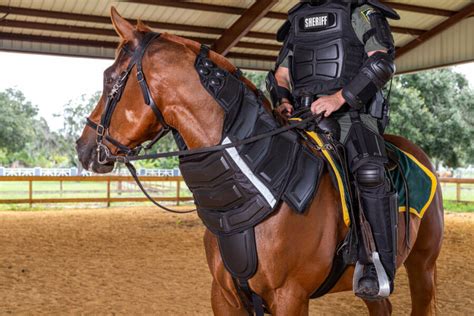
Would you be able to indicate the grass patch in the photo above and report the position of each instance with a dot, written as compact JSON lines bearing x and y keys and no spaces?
{"x":458,"y":207}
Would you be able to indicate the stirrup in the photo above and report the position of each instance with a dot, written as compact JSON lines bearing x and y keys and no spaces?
{"x":382,"y":278}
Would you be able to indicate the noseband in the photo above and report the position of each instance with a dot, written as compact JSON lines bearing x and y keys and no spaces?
{"x":102,"y":129}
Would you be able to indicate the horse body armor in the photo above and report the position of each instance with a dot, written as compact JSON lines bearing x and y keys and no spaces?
{"x":237,"y":188}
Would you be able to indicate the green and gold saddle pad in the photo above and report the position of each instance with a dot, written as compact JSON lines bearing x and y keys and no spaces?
{"x":420,"y":180}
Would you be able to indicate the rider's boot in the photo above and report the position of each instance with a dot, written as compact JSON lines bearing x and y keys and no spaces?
{"x":374,"y":276}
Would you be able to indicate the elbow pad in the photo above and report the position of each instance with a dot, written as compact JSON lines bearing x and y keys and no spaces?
{"x":372,"y":77}
{"x":276,"y":92}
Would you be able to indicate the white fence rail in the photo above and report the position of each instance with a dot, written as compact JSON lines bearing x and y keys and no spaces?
{"x":65,"y":172}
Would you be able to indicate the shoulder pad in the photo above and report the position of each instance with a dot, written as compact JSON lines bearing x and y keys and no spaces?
{"x":387,"y":11}
{"x":283,"y":31}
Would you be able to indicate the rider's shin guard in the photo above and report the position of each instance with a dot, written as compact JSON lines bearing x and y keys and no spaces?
{"x":381,"y":211}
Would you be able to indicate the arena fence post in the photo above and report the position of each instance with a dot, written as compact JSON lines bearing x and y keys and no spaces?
{"x":178,"y":188}
{"x":108,"y":192}
{"x":30,"y":192}
{"x":458,"y":191}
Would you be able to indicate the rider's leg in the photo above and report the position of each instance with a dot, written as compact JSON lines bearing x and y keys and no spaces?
{"x":379,"y":206}
{"x":366,"y":159}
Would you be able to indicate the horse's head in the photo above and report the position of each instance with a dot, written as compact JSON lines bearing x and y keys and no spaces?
{"x":134,"y":109}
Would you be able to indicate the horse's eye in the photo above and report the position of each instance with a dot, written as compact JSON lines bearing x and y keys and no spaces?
{"x":109,"y":80}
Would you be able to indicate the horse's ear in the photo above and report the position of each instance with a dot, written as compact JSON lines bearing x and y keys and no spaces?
{"x":123,"y":28}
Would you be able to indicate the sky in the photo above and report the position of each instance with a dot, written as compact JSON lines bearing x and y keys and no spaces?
{"x":50,"y":82}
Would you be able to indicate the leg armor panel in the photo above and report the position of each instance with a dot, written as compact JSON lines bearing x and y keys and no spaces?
{"x":367,"y":158}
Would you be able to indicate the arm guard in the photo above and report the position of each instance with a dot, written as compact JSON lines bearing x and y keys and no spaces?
{"x":373,"y":76}
{"x":276,"y":92}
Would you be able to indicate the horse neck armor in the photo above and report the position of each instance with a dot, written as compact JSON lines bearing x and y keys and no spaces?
{"x":237,"y":188}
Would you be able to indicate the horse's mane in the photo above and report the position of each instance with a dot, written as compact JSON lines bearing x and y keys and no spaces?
{"x":218,"y":59}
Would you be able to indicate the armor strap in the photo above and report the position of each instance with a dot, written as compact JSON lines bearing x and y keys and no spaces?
{"x":277,"y":93}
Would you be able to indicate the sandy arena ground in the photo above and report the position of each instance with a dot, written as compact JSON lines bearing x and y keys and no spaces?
{"x":143,"y":261}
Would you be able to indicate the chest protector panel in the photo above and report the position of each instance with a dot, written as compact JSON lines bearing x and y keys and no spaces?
{"x":236,"y":188}
{"x":326,"y":51}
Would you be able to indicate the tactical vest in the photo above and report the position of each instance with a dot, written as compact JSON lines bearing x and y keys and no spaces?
{"x":326,"y":51}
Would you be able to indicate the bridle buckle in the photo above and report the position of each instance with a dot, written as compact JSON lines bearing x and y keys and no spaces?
{"x":100,"y":130}
{"x":140,"y":76}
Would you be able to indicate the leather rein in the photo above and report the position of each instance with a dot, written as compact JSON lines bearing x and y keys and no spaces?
{"x":126,"y":154}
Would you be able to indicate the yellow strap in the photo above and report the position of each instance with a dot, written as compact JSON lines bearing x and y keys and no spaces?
{"x":340,"y":183}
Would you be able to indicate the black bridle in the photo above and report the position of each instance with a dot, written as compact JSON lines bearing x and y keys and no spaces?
{"x":102,"y":129}
{"x":126,"y":154}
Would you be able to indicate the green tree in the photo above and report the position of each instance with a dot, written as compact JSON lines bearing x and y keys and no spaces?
{"x":74,"y":114}
{"x":435,"y":109}
{"x":258,"y":78}
{"x":166,"y":144}
{"x":25,"y":137}
{"x":16,"y":121}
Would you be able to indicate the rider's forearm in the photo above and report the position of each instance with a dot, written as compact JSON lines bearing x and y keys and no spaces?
{"x":374,"y":74}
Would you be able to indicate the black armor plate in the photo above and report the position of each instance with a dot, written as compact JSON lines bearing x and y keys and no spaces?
{"x":326,"y":51}
{"x":237,"y":188}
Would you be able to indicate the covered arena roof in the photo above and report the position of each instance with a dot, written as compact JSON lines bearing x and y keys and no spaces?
{"x":431,"y":33}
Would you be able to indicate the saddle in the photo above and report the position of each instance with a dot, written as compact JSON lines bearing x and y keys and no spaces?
{"x":237,"y":188}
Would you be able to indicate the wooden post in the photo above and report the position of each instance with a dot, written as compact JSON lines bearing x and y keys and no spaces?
{"x":458,"y":192}
{"x":178,"y":188}
{"x":61,"y":188}
{"x":108,"y":192}
{"x":30,"y":192}
{"x":119,"y":187}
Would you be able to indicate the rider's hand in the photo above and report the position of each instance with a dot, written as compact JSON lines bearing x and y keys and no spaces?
{"x":328,"y":104}
{"x":285,"y":108}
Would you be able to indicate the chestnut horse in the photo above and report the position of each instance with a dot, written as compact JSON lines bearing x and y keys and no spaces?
{"x":295,"y":251}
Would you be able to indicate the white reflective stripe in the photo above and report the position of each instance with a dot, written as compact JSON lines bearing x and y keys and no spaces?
{"x":249,"y":174}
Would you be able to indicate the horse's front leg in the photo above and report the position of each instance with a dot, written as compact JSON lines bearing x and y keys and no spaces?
{"x":224,"y":298}
{"x":222,"y":305}
{"x":379,"y":308}
{"x":289,"y":300}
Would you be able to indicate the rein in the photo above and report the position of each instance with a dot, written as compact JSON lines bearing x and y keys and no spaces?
{"x":126,"y":154}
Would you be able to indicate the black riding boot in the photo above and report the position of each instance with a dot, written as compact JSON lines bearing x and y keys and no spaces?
{"x":378,"y":268}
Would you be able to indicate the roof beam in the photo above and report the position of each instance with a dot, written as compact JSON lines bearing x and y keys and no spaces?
{"x":59,"y":28}
{"x":458,"y":17}
{"x":419,"y":9}
{"x":57,"y":40}
{"x":407,"y":31}
{"x":106,"y":44}
{"x":103,"y":19}
{"x":158,"y":25}
{"x":252,"y":56}
{"x":107,"y":32}
{"x":106,"y":20}
{"x":207,"y":7}
{"x":273,"y":14}
{"x":242,"y":26}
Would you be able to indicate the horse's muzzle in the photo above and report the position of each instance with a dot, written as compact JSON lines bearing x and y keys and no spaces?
{"x":87,"y":153}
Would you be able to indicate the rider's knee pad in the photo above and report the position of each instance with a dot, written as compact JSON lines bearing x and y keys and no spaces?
{"x":370,"y":175}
